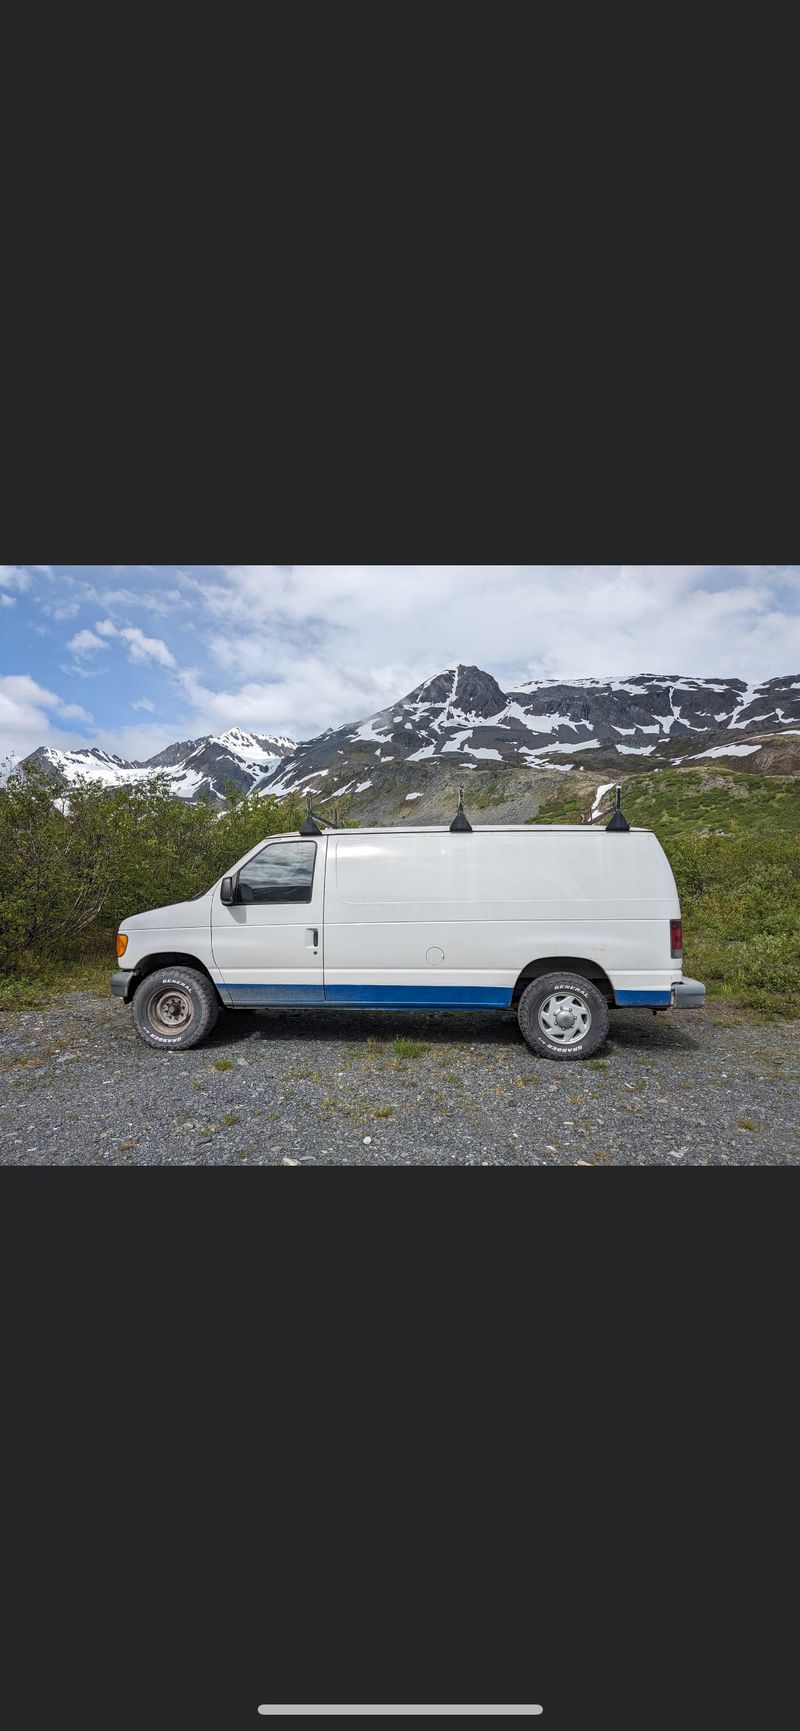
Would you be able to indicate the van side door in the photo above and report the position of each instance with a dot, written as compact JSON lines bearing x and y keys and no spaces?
{"x":268,"y":946}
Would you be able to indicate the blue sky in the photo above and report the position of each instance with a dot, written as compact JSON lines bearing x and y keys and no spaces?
{"x":132,"y":657}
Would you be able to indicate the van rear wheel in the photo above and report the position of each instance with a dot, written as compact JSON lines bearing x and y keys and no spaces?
{"x":175,"y":1008}
{"x":563,"y":1016}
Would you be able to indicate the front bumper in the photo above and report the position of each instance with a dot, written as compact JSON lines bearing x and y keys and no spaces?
{"x":122,"y":985}
{"x":688,"y":995}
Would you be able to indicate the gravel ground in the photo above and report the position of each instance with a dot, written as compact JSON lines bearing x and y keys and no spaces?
{"x":78,"y":1088}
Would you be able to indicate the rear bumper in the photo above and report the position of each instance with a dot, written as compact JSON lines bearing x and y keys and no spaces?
{"x":688,"y":995}
{"x":122,"y":985}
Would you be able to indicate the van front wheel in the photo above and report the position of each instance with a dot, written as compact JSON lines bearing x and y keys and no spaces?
{"x":563,"y":1016}
{"x":174,"y":1008}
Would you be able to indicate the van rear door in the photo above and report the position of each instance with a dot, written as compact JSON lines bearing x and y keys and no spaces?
{"x":268,"y":946}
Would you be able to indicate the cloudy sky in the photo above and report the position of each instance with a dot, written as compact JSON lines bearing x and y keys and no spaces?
{"x":131,"y":657}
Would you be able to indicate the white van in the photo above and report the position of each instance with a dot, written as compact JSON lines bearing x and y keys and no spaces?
{"x":559,"y":923}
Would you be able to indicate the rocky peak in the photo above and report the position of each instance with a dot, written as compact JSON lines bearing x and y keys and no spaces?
{"x":467,"y":689}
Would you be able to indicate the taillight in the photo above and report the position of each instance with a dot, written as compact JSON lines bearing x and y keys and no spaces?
{"x":676,"y":937}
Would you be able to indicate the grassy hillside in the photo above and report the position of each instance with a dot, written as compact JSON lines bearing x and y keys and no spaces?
{"x":733,"y":841}
{"x":674,"y":801}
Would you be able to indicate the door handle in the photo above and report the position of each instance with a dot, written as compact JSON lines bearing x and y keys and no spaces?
{"x":312,"y":938}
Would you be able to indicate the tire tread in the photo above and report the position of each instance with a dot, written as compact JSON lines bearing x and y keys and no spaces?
{"x":528,"y":1014}
{"x":204,"y":998}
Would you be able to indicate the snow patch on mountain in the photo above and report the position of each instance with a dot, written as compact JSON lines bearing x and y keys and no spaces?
{"x":604,"y":788}
{"x":252,"y":748}
{"x":723,"y":751}
{"x":747,"y":699}
{"x":367,"y":731}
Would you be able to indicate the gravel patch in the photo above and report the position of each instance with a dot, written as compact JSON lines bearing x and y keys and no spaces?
{"x":78,"y":1088}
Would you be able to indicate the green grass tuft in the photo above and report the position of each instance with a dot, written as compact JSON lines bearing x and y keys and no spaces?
{"x":411,"y":1048}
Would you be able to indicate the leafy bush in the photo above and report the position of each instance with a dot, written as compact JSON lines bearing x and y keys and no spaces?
{"x":740,"y":898}
{"x":74,"y":865}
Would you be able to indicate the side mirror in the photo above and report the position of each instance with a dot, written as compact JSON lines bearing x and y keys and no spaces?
{"x":227,"y":892}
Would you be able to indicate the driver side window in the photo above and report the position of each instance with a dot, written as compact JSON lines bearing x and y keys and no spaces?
{"x":282,"y":872}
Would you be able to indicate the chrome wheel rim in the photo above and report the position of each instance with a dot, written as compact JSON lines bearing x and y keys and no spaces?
{"x":170,"y":1011}
{"x":565,"y":1018}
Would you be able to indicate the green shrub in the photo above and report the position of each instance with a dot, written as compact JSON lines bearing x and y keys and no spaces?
{"x":75,"y":865}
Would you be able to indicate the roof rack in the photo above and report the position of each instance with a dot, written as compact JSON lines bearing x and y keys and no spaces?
{"x":313,"y":821}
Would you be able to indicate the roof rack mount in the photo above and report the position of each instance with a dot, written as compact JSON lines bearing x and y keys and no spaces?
{"x":313,"y":821}
{"x":617,"y":821}
{"x":461,"y":821}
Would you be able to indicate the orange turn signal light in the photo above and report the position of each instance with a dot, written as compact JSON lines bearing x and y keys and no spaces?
{"x":122,"y":944}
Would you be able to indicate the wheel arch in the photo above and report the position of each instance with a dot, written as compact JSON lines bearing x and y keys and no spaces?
{"x":167,"y":959}
{"x":564,"y":964}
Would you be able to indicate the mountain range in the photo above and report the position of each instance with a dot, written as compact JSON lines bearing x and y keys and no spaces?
{"x":193,"y":767}
{"x":510,"y":748}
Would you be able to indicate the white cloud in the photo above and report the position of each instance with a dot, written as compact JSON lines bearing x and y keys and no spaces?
{"x":29,"y":717}
{"x":296,"y":649}
{"x":318,"y":645}
{"x":138,"y":742}
{"x":86,"y":643}
{"x":161,"y":601}
{"x":141,"y":649}
{"x":60,"y":609}
{"x":12,"y":577}
{"x":26,"y":711}
{"x":21,"y":688}
{"x":309,"y":697}
{"x":7,"y":600}
{"x":73,"y":712}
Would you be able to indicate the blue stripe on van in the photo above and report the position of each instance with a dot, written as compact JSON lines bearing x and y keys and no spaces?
{"x":376,"y":997}
{"x":656,"y":999}
{"x":423,"y":997}
{"x":277,"y":994}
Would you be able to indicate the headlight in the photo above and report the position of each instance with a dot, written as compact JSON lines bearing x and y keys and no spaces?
{"x":122,"y":944}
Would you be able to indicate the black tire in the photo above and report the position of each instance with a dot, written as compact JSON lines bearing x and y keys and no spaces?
{"x":175,"y":1008}
{"x":579,"y":998}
